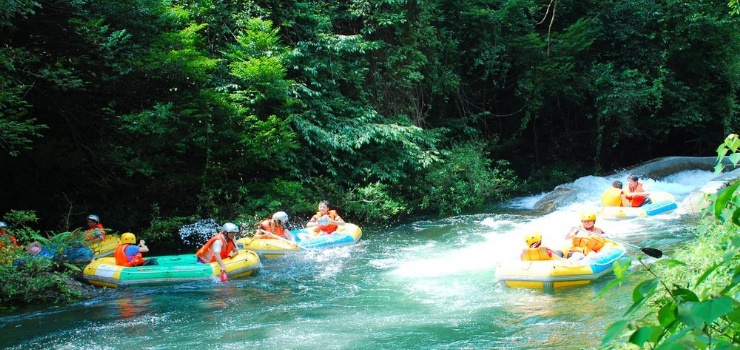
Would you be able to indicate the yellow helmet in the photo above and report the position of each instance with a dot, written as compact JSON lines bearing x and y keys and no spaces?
{"x":128,"y":237}
{"x":532,"y":237}
{"x":588,"y":216}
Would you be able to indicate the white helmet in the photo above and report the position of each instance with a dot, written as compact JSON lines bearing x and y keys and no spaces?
{"x":281,"y":217}
{"x":93,"y":217}
{"x":230,"y":228}
{"x":3,"y":224}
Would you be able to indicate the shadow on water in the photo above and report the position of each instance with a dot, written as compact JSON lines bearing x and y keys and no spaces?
{"x":427,"y":284}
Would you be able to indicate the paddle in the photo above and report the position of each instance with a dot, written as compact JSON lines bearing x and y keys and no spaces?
{"x":655,"y":253}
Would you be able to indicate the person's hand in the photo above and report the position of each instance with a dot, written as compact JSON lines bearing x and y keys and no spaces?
{"x":141,"y":242}
{"x":224,"y":278}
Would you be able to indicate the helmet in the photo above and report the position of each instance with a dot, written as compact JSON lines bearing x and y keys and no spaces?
{"x":588,"y":216}
{"x":128,"y":237}
{"x":93,"y":217}
{"x":230,"y":228}
{"x":281,"y":217}
{"x":3,"y":224}
{"x":532,"y":237}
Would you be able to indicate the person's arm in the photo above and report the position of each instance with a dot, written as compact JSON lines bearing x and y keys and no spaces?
{"x":337,"y":220}
{"x":313,"y":222}
{"x":216,"y":249}
{"x":142,"y":247}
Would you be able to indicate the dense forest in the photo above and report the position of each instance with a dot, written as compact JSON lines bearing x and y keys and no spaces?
{"x":152,"y":114}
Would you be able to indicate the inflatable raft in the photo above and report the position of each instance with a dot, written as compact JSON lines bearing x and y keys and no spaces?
{"x":104,"y":272}
{"x":662,"y":202}
{"x":346,"y":234}
{"x":550,"y":274}
{"x":268,"y":248}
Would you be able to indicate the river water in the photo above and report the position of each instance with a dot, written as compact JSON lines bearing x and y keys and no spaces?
{"x":421,"y":285}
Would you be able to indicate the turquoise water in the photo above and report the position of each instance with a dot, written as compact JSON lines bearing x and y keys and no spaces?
{"x":421,"y":285}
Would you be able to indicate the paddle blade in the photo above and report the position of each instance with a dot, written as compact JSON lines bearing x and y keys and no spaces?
{"x":655,"y":253}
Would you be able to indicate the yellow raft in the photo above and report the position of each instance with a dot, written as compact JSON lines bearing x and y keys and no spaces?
{"x":549,"y":274}
{"x":104,"y":272}
{"x":105,"y":247}
{"x":268,"y":248}
{"x":662,"y":202}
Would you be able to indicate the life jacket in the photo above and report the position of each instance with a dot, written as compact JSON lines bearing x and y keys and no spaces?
{"x":326,"y":228}
{"x":636,"y":200}
{"x":585,"y":245}
{"x":206,"y":249}
{"x":612,"y":197}
{"x":539,"y":253}
{"x":6,"y":236}
{"x":90,"y":233}
{"x":125,"y":260}
{"x":269,"y":226}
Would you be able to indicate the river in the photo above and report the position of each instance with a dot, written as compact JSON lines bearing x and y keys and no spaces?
{"x":421,"y":285}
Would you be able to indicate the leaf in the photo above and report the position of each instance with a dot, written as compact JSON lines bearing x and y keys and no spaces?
{"x":696,"y":315}
{"x":723,"y":197}
{"x":706,"y":274}
{"x":667,"y":314}
{"x":615,"y":330}
{"x":644,"y":289}
{"x":684,"y":295}
{"x":643,"y":334}
{"x":670,"y":262}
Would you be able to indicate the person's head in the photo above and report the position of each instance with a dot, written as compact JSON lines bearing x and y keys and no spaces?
{"x":92,"y":220}
{"x":533,"y":239}
{"x":633,"y":178}
{"x":3,"y":225}
{"x":230,"y":230}
{"x":128,"y":238}
{"x":588,"y":219}
{"x":324,"y":206}
{"x":280,"y":218}
{"x":617,"y":184}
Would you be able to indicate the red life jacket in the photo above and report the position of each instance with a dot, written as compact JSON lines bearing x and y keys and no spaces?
{"x":10,"y":237}
{"x":90,"y":233}
{"x":636,"y":200}
{"x":269,"y":226}
{"x":540,"y":253}
{"x":326,"y":228}
{"x":124,"y":260}
{"x":226,"y":248}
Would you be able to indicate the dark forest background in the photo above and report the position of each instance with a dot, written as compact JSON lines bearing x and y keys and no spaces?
{"x":153,"y":114}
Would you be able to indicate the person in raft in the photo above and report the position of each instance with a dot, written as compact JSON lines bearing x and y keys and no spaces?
{"x":220,"y":247}
{"x":612,"y":197}
{"x":6,"y":239}
{"x":587,"y":238}
{"x":128,"y":253}
{"x":635,"y":194}
{"x":325,"y":220}
{"x":274,"y":228}
{"x":95,"y":230}
{"x":535,"y":250}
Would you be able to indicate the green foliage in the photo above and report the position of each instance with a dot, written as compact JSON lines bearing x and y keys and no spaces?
{"x":34,"y":278}
{"x":463,"y":178}
{"x":692,"y":301}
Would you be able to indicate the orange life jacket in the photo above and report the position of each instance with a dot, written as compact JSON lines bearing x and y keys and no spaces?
{"x":270,"y":226}
{"x":326,"y":228}
{"x":225,"y":249}
{"x":10,"y":237}
{"x":585,"y":245}
{"x":124,"y":260}
{"x":612,"y":197}
{"x":540,"y":253}
{"x":636,"y":200}
{"x":90,"y":233}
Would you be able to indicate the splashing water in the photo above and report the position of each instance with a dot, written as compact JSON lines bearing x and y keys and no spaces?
{"x":199,"y":232}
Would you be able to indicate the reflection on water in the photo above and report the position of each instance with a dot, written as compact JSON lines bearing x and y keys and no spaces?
{"x":423,"y":285}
